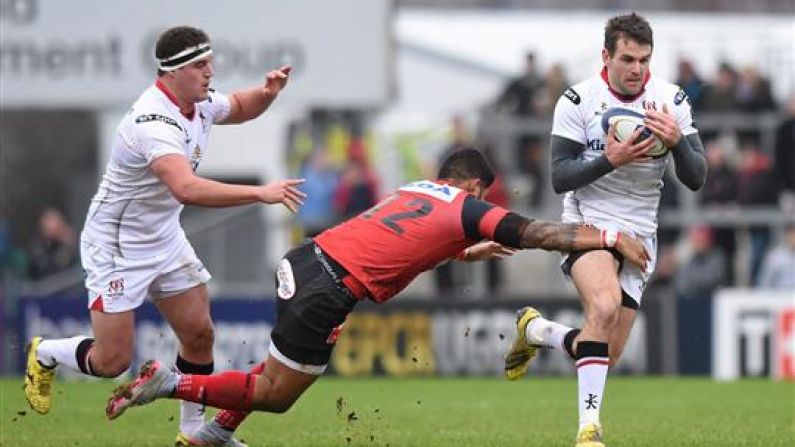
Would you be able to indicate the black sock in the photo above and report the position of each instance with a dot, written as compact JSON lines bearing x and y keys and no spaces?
{"x":587,"y":348}
{"x":81,"y":354}
{"x":187,"y":367}
{"x":568,"y":342}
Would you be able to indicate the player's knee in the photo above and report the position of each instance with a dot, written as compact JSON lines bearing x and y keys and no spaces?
{"x":281,"y":406}
{"x":604,"y":313}
{"x":201,"y":340}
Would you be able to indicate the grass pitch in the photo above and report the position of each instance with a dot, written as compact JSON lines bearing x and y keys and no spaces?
{"x":542,"y":412}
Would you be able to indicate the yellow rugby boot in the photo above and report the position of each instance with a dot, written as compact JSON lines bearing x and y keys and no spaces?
{"x":38,"y":380}
{"x":590,"y":435}
{"x":518,"y":358}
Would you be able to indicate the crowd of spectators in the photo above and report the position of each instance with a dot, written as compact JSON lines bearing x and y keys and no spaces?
{"x":333,"y":157}
{"x":744,"y":176}
{"x":532,"y":94}
{"x":731,"y":90}
{"x":52,"y":248}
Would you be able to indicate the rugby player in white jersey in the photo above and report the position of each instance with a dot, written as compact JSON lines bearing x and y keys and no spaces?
{"x":132,"y":244}
{"x":614,"y":186}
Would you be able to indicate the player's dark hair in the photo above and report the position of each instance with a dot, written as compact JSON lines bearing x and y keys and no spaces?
{"x":467,"y":164}
{"x":628,"y":26}
{"x":176,"y":39}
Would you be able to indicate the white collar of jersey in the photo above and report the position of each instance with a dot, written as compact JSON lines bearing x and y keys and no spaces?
{"x":441,"y":191}
{"x":185,"y":57}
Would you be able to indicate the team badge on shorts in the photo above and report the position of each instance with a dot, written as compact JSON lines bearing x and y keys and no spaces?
{"x":285,"y":279}
{"x":115,"y":288}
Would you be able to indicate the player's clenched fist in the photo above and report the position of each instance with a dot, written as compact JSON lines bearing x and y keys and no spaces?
{"x":284,"y":192}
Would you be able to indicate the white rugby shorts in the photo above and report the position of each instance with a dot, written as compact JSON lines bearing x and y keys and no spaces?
{"x":117,"y":284}
{"x":632,"y":280}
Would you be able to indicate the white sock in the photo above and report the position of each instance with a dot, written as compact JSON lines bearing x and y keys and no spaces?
{"x":214,"y":432}
{"x":592,"y":364}
{"x":60,"y":351}
{"x":191,"y":414}
{"x":547,"y":333}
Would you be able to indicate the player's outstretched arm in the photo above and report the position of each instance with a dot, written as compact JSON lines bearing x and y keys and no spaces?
{"x":482,"y":220}
{"x":248,"y":104}
{"x":572,"y":237}
{"x":190,"y":189}
{"x":483,"y":251}
{"x":285,"y":192}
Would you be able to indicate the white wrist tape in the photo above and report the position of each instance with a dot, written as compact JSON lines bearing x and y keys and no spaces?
{"x":610,"y":238}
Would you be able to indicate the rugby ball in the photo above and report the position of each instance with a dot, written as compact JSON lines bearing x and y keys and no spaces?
{"x":627,"y":121}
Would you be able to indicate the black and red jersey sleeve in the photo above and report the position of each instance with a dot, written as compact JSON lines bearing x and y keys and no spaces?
{"x":482,"y":220}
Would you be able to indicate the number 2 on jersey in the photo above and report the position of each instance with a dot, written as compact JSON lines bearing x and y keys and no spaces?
{"x":423,"y":208}
{"x":420,"y":207}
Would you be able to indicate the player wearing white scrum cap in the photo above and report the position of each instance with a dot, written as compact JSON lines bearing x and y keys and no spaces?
{"x":614,"y":186}
{"x":132,"y":244}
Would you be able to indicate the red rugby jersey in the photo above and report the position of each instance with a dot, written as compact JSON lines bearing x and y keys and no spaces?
{"x":413,"y":230}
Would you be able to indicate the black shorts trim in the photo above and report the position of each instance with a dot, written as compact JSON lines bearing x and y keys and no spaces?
{"x":575,"y":255}
{"x":626,"y":300}
{"x":306,"y":321}
{"x":300,"y":354}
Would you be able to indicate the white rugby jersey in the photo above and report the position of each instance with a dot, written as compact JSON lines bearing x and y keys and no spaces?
{"x":628,"y":197}
{"x":133,"y":213}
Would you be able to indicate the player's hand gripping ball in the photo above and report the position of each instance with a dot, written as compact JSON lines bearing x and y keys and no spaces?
{"x":627,"y":121}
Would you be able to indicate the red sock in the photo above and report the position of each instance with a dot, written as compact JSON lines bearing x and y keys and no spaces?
{"x":229,"y":419}
{"x":232,"y":390}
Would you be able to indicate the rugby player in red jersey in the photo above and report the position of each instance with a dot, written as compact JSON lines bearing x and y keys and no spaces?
{"x":372,"y":256}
